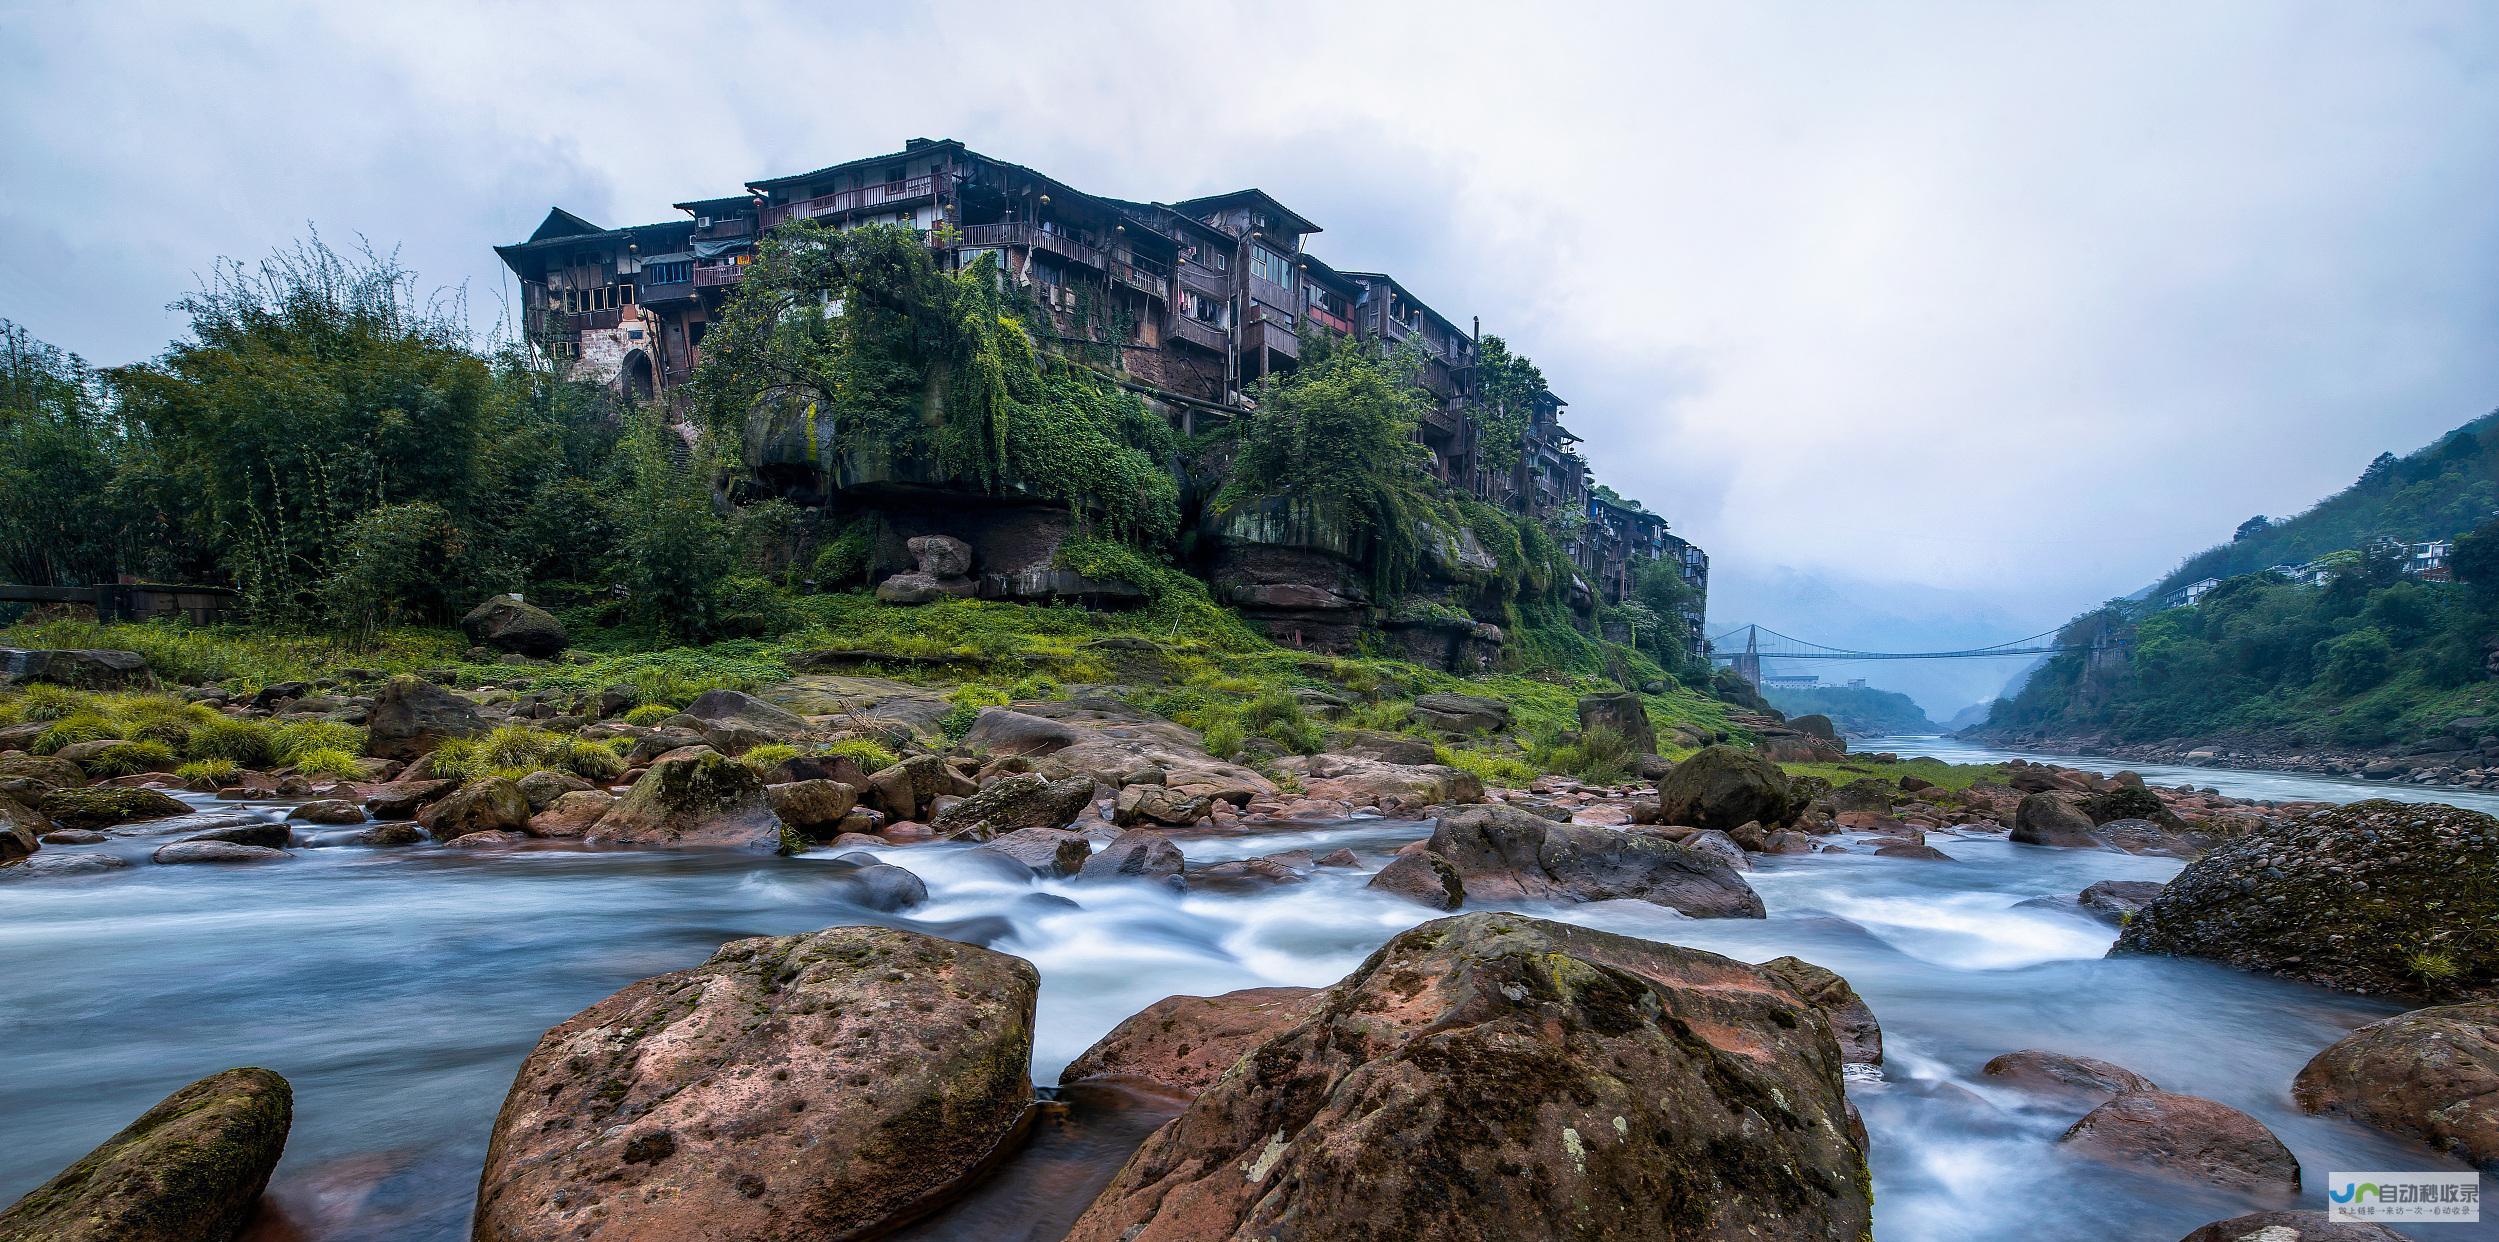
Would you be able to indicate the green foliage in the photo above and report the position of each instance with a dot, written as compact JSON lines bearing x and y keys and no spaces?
{"x":47,"y":702}
{"x":768,"y":756}
{"x":247,"y":742}
{"x":1507,"y":389}
{"x":678,"y":548}
{"x":127,"y":758}
{"x":62,"y":446}
{"x":394,"y":566}
{"x":871,"y":756}
{"x":214,"y":773}
{"x":2357,"y":661}
{"x":511,"y":751}
{"x":1600,"y":757}
{"x":1225,"y":738}
{"x":1277,"y":716}
{"x":1036,"y":688}
{"x":648,"y":714}
{"x":1496,"y":771}
{"x":330,"y":762}
{"x":1332,"y":443}
{"x":82,"y":726}
{"x":291,"y":740}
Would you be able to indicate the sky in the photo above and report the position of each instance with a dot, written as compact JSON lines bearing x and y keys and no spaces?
{"x":1935,"y":324}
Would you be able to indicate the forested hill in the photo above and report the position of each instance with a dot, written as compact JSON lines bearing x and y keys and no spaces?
{"x":2438,"y":492}
{"x":1860,"y":710}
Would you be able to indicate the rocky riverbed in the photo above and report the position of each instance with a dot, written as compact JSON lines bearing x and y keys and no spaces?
{"x":1529,"y":1006}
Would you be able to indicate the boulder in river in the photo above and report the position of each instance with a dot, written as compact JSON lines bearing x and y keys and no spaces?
{"x":1495,"y":1076}
{"x":102,"y":806}
{"x":2117,"y":900}
{"x":190,"y":1169}
{"x":2431,"y":1075}
{"x":828,"y":1085}
{"x":487,"y":804}
{"x":1852,"y":1020}
{"x":1017,"y":801}
{"x":181,"y":852}
{"x":1183,"y":1044}
{"x":1047,"y":851}
{"x":2187,"y":1137}
{"x":2050,"y":819}
{"x":698,"y":798}
{"x":2380,"y":897}
{"x":1424,"y":878}
{"x":1725,"y":788}
{"x":1501,"y":853}
{"x":573,"y":815}
{"x":22,"y":829}
{"x":2306,"y":1226}
{"x":1138,"y":854}
{"x":2057,"y":1073}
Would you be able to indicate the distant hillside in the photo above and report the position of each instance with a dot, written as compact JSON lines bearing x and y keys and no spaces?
{"x":2436,"y":493}
{"x":1855,"y":709}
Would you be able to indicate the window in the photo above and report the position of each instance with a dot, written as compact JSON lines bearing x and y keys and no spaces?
{"x":1269,"y":266}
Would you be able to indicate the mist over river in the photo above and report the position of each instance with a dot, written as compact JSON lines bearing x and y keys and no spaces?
{"x":400,"y":989}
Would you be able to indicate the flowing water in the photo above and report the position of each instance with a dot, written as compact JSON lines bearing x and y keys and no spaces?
{"x":400,"y":989}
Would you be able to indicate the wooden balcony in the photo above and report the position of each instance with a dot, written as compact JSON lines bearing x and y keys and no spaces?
{"x":1144,"y":281}
{"x":666,"y":291}
{"x":843,"y":202}
{"x":1434,"y":378}
{"x":1199,"y":333}
{"x":720,"y":276}
{"x":1336,"y":322}
{"x":726,"y":227}
{"x":1271,"y":330}
{"x":1031,"y":236}
{"x":1206,"y":282}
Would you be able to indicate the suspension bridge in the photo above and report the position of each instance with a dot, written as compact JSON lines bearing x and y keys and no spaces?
{"x":1761,"y":644}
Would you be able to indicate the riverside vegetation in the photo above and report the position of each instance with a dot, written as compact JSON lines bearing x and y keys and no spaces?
{"x":694,"y":661}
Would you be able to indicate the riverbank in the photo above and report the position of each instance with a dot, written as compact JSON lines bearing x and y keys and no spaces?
{"x":2470,"y":762}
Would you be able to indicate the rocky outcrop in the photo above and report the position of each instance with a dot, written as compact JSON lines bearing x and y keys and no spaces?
{"x":1852,"y":1020}
{"x":2057,"y":1073}
{"x":102,"y":806}
{"x":1184,"y":1044}
{"x":2378,"y":897}
{"x":816,"y":808}
{"x":1503,"y":854}
{"x":1424,"y":878}
{"x":1138,"y":854}
{"x":411,"y":717}
{"x":2187,"y":1137}
{"x":85,"y":670}
{"x":2047,"y":819}
{"x":1009,"y":803}
{"x":2431,"y":1075}
{"x":945,"y":565}
{"x":487,"y":804}
{"x":1725,"y":788}
{"x":190,"y":1169}
{"x":1622,"y":713}
{"x":1005,"y":731}
{"x":1391,"y":787}
{"x":22,"y":829}
{"x":1461,"y":714}
{"x":2117,"y":900}
{"x":829,"y":1085}
{"x":1492,"y":1076}
{"x":2310,"y":1226}
{"x":1046,"y":851}
{"x":573,"y":815}
{"x":734,"y":722}
{"x":697,"y":799}
{"x":506,"y":623}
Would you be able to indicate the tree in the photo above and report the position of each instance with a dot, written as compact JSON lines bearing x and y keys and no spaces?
{"x":2476,"y":558}
{"x":2358,"y":661}
{"x":62,"y":522}
{"x":1507,"y":387}
{"x":678,"y":548}
{"x":2251,"y":528}
{"x":1335,"y":439}
{"x":2380,"y":466}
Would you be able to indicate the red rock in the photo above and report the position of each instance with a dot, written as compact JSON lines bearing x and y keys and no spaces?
{"x":1183,"y":1044}
{"x":2187,"y":1137}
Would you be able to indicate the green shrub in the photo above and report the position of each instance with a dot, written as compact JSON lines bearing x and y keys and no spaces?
{"x":511,"y":750}
{"x":330,"y":762}
{"x":1035,"y":688}
{"x":290,"y":740}
{"x":127,"y":758}
{"x":592,"y":761}
{"x":649,"y":714}
{"x":246,"y":742}
{"x":1599,"y":757}
{"x":768,"y":756}
{"x":85,"y":726}
{"x":871,"y":756}
{"x":1225,"y":738}
{"x":1501,"y":771}
{"x":1277,"y":716}
{"x":45,"y":702}
{"x":213,"y":772}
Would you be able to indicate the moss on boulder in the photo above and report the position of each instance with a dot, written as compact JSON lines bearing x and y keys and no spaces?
{"x":188,"y":1170}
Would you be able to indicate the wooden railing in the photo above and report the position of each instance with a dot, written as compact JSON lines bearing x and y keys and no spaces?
{"x":1025,"y":233}
{"x":878,"y":195}
{"x":1199,"y":332}
{"x":1205,"y":283}
{"x":719,"y":276}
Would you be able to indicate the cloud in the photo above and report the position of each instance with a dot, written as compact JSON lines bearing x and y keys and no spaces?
{"x":2014,"y":304}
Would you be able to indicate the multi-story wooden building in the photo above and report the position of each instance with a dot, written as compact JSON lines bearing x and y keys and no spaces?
{"x":1193,"y":302}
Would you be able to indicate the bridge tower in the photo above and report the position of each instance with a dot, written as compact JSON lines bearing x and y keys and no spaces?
{"x":1748,"y":661}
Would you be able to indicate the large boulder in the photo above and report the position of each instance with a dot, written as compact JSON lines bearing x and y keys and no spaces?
{"x":816,"y":808}
{"x":87,"y":670}
{"x":1009,"y":803}
{"x":572,"y":816}
{"x":1503,"y":854}
{"x":190,"y":1169}
{"x":2117,"y":900}
{"x":215,"y":853}
{"x":1620,"y":712}
{"x":1159,"y":805}
{"x":21,"y":829}
{"x":487,"y":804}
{"x":828,"y":1085}
{"x":411,"y":717}
{"x":1138,"y":854}
{"x":1046,"y":851}
{"x":1493,"y":1076}
{"x":698,"y":798}
{"x":1725,"y":788}
{"x":1852,"y":1020}
{"x":101,"y":806}
{"x":2431,"y":1075}
{"x":1461,"y":713}
{"x":2047,"y":819}
{"x":2305,"y":1226}
{"x":1005,"y":731}
{"x":735,"y":722}
{"x":1424,"y":878}
{"x":2187,"y":1137}
{"x":506,"y":623}
{"x":945,"y":564}
{"x":904,"y":790}
{"x":29,"y":777}
{"x":2063,"y":1074}
{"x":2378,"y":897}
{"x":1388,"y":786}
{"x":1183,"y":1044}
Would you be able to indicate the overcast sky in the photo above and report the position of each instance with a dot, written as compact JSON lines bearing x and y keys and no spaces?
{"x":1932,"y":323}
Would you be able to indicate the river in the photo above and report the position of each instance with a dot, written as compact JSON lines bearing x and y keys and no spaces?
{"x":400,"y":989}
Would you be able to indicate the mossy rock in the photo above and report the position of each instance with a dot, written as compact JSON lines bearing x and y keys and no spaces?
{"x":1725,"y":788}
{"x":102,"y":806}
{"x":188,"y":1170}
